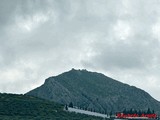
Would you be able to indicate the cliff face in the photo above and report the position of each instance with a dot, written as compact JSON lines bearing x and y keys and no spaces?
{"x":91,"y":90}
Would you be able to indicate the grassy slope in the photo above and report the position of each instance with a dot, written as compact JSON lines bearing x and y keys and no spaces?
{"x":21,"y":107}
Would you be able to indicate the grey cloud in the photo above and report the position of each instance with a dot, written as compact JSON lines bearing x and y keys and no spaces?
{"x":137,"y":55}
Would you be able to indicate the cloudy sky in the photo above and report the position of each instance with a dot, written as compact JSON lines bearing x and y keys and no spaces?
{"x":42,"y":38}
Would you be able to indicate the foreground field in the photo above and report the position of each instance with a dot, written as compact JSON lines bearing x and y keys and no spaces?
{"x":22,"y":107}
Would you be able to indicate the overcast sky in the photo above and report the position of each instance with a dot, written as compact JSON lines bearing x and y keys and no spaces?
{"x":43,"y":38}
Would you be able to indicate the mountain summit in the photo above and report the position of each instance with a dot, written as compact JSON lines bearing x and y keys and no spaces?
{"x":94,"y":91}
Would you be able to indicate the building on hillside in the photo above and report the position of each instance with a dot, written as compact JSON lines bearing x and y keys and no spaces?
{"x":135,"y":116}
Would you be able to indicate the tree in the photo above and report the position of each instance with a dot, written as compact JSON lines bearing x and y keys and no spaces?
{"x":105,"y":112}
{"x":66,"y":107}
{"x":71,"y":104}
{"x":124,"y":111}
{"x":110,"y":113}
{"x":131,"y":111}
{"x":139,"y":112}
{"x":135,"y":111}
{"x":148,"y":111}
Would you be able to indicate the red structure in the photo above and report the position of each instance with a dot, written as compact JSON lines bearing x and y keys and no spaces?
{"x":123,"y":116}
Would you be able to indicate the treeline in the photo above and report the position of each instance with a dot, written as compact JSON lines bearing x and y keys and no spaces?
{"x":110,"y":113}
{"x":139,"y":112}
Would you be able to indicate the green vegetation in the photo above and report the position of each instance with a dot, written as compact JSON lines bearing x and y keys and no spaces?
{"x":71,"y":104}
{"x":23,"y":107}
{"x":139,"y":112}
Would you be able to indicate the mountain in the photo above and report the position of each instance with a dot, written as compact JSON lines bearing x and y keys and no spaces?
{"x":92,"y":90}
{"x":23,"y":107}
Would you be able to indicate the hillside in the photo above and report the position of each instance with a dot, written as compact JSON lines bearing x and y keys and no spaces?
{"x":22,"y":107}
{"x":91,"y":90}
